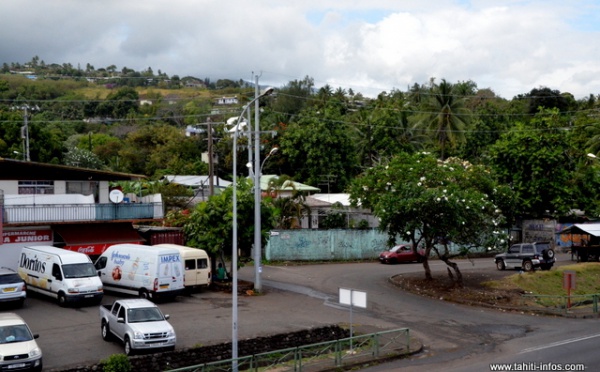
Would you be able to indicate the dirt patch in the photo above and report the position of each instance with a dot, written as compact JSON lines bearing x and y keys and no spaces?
{"x":474,"y":291}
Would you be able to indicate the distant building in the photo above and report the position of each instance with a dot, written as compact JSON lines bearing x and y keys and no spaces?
{"x":227,"y":101}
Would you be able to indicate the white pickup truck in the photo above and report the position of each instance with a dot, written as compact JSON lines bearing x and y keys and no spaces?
{"x":138,"y":324}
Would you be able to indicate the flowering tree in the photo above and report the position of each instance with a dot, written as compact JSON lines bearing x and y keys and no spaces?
{"x":432,"y":203}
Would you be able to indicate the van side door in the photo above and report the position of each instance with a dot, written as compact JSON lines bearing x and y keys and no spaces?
{"x":190,"y":272}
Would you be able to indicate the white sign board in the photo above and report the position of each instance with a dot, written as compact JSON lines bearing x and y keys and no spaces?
{"x":353,"y":297}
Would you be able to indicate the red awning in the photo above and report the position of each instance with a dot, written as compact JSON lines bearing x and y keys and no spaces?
{"x":93,"y":239}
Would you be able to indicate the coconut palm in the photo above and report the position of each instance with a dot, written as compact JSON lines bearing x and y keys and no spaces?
{"x":445,"y":115}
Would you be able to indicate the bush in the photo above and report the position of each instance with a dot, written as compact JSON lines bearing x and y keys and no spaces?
{"x":116,"y":363}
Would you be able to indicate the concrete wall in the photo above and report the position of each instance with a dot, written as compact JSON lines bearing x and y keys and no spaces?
{"x":330,"y":245}
{"x":314,"y":245}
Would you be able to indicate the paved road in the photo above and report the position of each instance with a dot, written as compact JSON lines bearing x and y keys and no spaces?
{"x":456,"y":337}
{"x":300,"y":297}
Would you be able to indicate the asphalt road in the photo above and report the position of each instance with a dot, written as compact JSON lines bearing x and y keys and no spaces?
{"x":455,"y":337}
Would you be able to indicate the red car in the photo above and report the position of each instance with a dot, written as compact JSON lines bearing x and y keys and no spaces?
{"x":400,"y":253}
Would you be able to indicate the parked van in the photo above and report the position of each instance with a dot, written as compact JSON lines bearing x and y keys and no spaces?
{"x":141,"y":270}
{"x":196,"y":264}
{"x":65,"y":275}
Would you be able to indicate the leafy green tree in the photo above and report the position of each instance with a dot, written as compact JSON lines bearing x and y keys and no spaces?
{"x":546,"y":98}
{"x":382,"y":129}
{"x":319,"y":145}
{"x":445,"y":117}
{"x":82,"y":158}
{"x":432,"y":202}
{"x":292,"y":98}
{"x":151,"y":149}
{"x":335,"y":218}
{"x":210,"y":225}
{"x":536,"y":160}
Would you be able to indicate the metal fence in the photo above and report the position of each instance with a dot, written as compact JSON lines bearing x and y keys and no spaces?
{"x":77,"y":212}
{"x":318,"y":357}
{"x":574,"y":305}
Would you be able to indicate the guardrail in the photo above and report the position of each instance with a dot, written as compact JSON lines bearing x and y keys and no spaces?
{"x":317,"y":357}
{"x":42,"y":213}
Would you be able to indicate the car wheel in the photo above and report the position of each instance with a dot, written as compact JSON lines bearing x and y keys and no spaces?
{"x":527,"y":266}
{"x":144,"y":294}
{"x":500,"y":265}
{"x":549,"y":254}
{"x":127,"y":347}
{"x":62,"y":300}
{"x":105,"y":331}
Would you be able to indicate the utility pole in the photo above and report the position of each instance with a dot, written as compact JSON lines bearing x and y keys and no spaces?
{"x":211,"y":171}
{"x":25,"y":134}
{"x":257,"y":191}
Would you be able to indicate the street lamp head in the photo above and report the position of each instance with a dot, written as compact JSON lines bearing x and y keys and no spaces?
{"x":593,"y":156}
{"x":273,"y":151}
{"x":267,"y":91}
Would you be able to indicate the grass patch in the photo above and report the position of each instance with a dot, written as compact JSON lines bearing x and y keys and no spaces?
{"x":587,"y":280}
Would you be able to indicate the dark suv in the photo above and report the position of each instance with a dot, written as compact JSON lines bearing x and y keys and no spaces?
{"x":527,"y":256}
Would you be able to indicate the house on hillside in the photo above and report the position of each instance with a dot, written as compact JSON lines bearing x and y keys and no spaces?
{"x":68,"y":207}
{"x":227,"y":101}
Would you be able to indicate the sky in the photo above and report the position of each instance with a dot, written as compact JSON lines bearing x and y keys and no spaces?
{"x":369,"y":46}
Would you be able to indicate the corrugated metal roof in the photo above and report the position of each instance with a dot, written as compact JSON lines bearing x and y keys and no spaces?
{"x":583,"y":228}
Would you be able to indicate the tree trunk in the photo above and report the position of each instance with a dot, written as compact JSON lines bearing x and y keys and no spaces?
{"x":459,"y":278}
{"x":427,"y":269}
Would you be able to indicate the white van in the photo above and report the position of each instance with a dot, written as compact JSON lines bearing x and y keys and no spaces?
{"x":141,"y":270}
{"x":65,"y":275}
{"x":196,"y":264}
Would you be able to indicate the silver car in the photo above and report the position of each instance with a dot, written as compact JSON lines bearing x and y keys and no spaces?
{"x":12,"y":287}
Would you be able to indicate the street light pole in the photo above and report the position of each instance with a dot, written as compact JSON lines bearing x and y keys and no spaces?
{"x":257,"y":173}
{"x":234,"y":253}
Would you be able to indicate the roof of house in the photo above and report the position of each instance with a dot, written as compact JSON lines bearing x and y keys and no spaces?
{"x":343,"y":199}
{"x":287,"y":186}
{"x":11,"y":169}
{"x":583,"y":228}
{"x":196,"y":181}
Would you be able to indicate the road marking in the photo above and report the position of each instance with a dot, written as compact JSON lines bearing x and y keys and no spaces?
{"x":558,"y":343}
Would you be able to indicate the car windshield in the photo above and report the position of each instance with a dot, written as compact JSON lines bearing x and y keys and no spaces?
{"x":15,"y":333}
{"x":10,"y":279}
{"x":82,"y":270}
{"x":146,"y":314}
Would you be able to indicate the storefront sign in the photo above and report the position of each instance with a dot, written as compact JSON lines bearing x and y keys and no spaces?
{"x":26,"y":236}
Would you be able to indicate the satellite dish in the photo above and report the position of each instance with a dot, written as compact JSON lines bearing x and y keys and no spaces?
{"x":116,"y":196}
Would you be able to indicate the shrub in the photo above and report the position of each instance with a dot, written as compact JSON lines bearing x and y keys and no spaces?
{"x":116,"y":363}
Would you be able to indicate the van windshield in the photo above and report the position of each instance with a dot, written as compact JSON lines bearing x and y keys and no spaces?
{"x":82,"y":270}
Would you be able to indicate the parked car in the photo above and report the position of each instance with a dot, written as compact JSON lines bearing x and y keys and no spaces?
{"x":527,"y":256}
{"x":18,"y":349}
{"x":401,"y":253}
{"x":12,"y":288}
{"x":137,"y":323}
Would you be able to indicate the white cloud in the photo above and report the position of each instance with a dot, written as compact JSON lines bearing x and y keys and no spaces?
{"x":508,"y":46}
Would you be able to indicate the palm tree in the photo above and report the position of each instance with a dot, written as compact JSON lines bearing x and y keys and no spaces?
{"x":446,"y":116}
{"x":289,"y":210}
